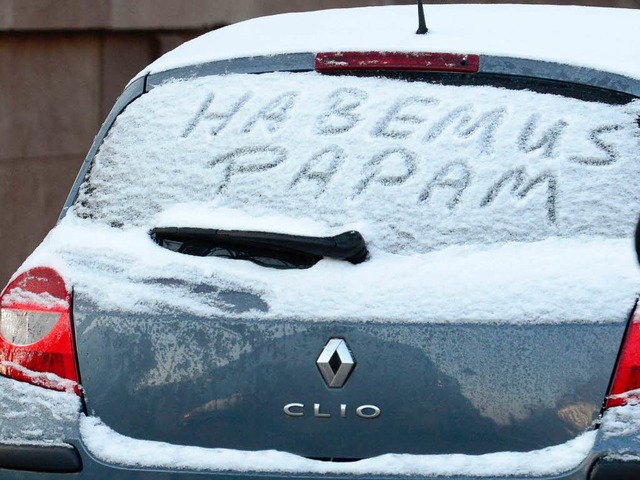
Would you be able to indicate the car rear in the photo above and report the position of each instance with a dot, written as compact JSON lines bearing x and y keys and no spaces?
{"x":480,"y":336}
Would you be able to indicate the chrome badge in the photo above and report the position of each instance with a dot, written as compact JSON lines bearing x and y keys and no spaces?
{"x":336,"y":363}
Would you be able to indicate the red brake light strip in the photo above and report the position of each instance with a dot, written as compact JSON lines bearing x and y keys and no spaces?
{"x":427,"y":62}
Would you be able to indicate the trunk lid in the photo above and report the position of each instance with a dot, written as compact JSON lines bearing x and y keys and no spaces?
{"x":215,"y":382}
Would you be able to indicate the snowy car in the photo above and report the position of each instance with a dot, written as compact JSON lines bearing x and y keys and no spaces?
{"x":322,"y":245}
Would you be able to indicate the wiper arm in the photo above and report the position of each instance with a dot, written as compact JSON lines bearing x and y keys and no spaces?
{"x":276,"y":250}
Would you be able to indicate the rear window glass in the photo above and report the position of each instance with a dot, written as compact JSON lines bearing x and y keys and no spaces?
{"x":414,"y":166}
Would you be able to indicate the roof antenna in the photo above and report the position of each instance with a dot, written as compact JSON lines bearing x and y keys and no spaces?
{"x":422,"y":24}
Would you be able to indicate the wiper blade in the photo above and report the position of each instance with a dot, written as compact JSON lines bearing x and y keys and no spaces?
{"x":275,"y":250}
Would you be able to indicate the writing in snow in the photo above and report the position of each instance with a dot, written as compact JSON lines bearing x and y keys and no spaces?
{"x":432,"y":165}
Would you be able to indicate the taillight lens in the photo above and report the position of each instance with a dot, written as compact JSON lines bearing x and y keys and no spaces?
{"x":425,"y":62}
{"x":626,"y":379}
{"x":36,"y":338}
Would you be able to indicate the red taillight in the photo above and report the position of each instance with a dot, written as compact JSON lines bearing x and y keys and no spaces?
{"x":36,"y":340}
{"x":626,"y":379}
{"x":426,"y":62}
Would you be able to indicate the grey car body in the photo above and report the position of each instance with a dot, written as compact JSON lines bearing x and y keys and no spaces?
{"x":255,"y":385}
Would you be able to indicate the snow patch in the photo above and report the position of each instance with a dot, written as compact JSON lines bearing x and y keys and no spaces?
{"x":194,"y":215}
{"x":18,"y":295}
{"x":110,"y":446}
{"x":45,"y":379}
{"x":35,"y":415}
{"x":551,"y":281}
{"x":623,"y":421}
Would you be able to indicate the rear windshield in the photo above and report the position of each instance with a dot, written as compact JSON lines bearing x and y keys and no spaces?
{"x":414,"y":166}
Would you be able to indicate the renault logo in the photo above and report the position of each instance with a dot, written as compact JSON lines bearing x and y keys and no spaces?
{"x":336,"y":363}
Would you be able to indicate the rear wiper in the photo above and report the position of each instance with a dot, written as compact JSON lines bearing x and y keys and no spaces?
{"x":275,"y":250}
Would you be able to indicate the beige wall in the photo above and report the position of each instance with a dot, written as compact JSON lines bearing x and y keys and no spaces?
{"x":62,"y":65}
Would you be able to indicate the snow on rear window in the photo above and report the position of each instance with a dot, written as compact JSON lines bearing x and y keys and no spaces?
{"x":414,"y":166}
